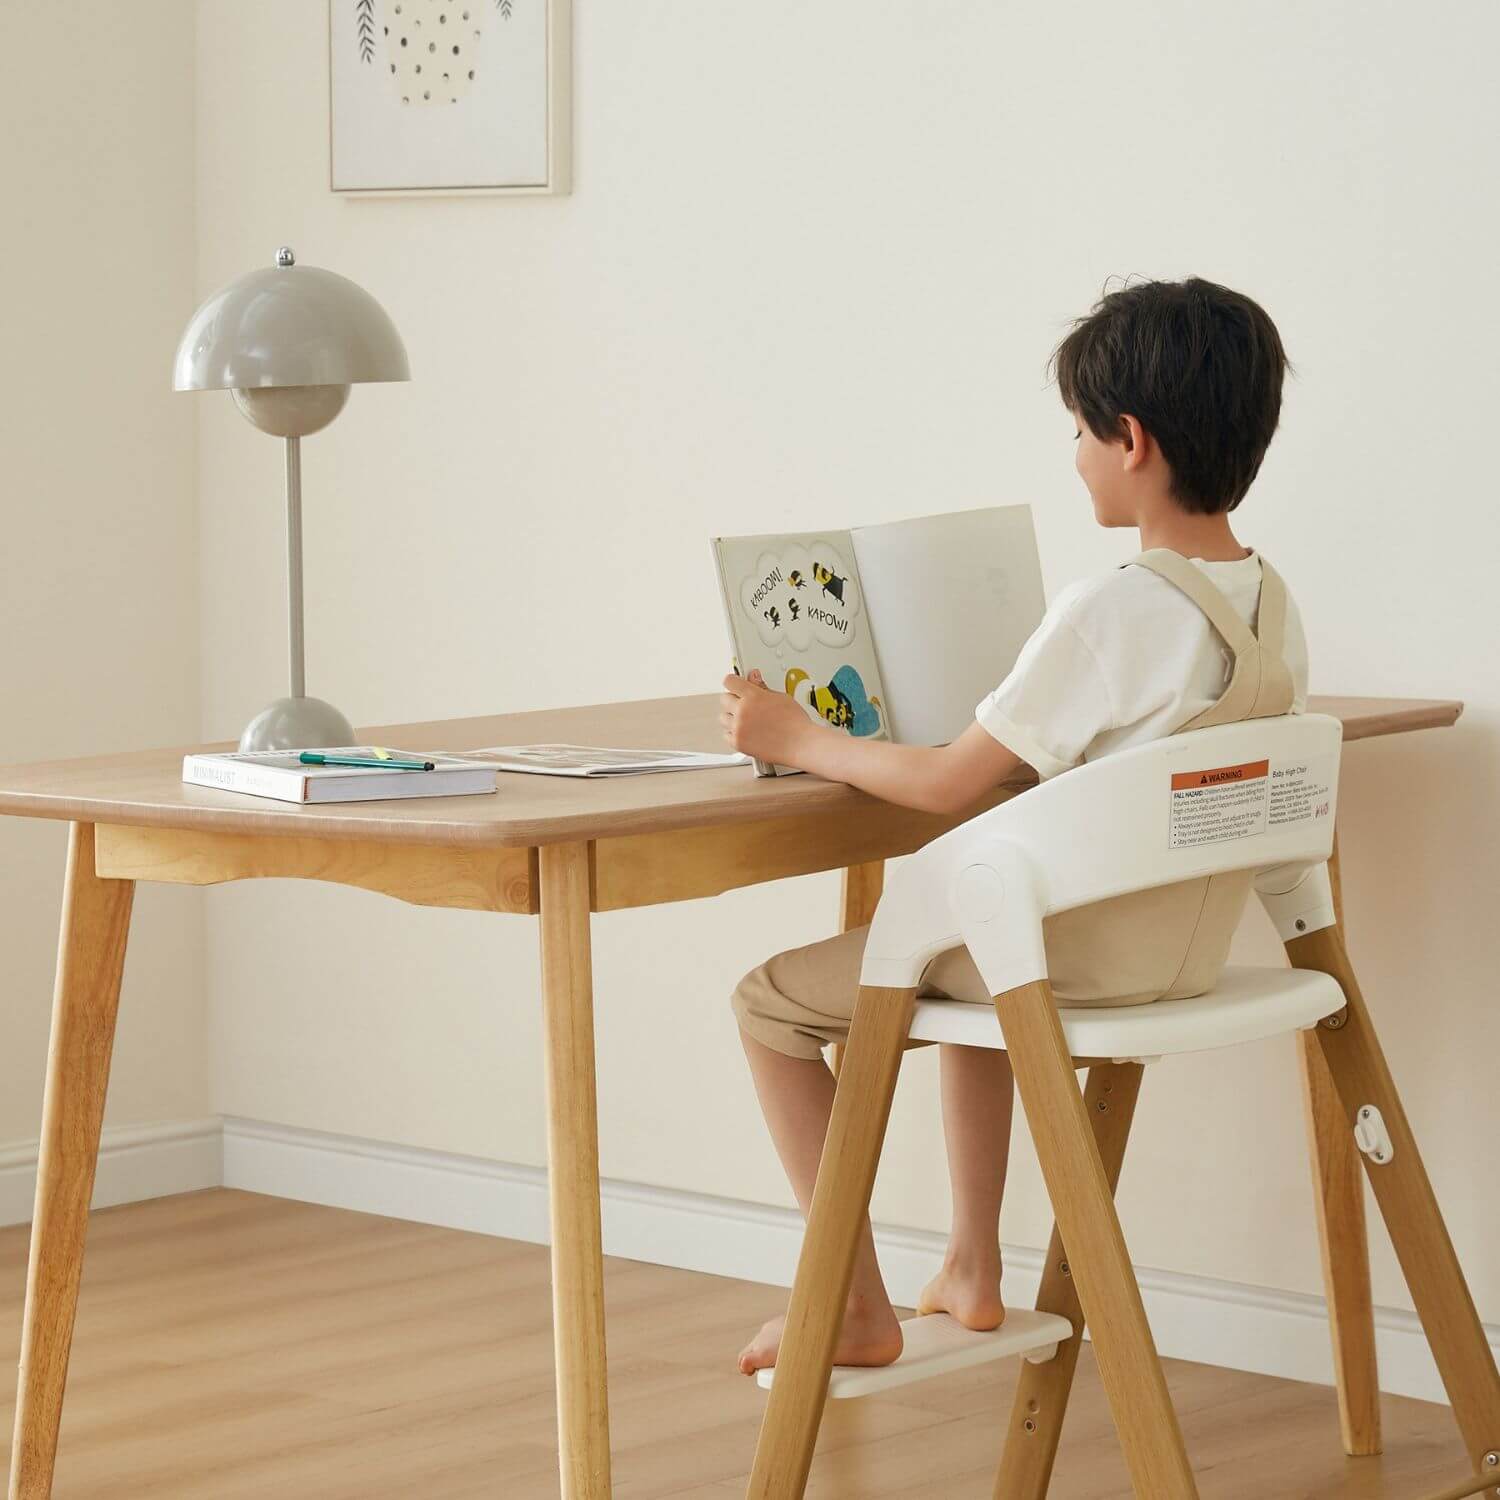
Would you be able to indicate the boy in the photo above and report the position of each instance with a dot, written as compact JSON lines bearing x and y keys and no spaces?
{"x":1175,"y":392}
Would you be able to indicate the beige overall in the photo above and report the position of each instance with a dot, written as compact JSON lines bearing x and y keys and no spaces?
{"x":1162,"y":944}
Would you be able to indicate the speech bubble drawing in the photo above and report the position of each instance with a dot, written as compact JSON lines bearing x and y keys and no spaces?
{"x":802,"y":595}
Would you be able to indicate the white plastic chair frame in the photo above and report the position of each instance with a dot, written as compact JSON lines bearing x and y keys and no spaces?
{"x":1102,"y":830}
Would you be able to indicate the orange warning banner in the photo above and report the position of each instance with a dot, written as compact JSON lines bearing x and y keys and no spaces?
{"x":1185,"y":780}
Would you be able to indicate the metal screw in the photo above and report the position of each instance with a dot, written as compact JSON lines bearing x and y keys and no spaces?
{"x":1065,"y":1268}
{"x":1336,"y":1021}
{"x":1029,"y":1425}
{"x":1102,"y":1106}
{"x":1492,"y":1459}
{"x":1300,"y":925}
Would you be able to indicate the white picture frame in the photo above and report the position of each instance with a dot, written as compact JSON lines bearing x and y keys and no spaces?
{"x":505,"y":128}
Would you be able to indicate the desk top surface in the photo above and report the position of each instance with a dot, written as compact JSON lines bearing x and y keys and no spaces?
{"x":144,"y":787}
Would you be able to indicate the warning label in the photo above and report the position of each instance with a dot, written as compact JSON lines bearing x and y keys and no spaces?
{"x":1221,"y":802}
{"x":1191,"y":780}
{"x":1234,"y":802}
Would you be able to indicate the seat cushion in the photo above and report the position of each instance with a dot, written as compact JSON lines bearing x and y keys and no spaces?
{"x":1246,"y":1005}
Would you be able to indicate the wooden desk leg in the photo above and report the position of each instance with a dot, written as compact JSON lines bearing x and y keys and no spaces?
{"x":90,"y":960}
{"x":573,"y":1173}
{"x":859,"y":895}
{"x":1339,"y":1193}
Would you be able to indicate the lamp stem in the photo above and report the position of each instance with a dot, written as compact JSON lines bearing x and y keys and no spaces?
{"x":294,"y":565}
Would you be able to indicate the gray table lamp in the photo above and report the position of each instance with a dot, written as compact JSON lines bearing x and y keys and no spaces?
{"x":287,"y":343}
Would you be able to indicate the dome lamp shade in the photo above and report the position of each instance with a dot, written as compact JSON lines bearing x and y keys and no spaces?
{"x":288,"y":325}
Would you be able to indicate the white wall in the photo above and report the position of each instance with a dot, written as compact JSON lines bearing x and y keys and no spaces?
{"x":98,"y":587}
{"x":812,"y":268}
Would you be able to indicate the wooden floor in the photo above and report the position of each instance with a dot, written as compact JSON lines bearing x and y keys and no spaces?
{"x":230,"y":1345}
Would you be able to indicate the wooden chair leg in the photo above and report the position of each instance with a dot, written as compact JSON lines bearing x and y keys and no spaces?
{"x":1083,"y":1202}
{"x":1404,"y":1193}
{"x":573,"y":1173}
{"x":90,"y":962}
{"x":1339,"y":1197}
{"x":1041,"y":1402}
{"x":841,"y":1198}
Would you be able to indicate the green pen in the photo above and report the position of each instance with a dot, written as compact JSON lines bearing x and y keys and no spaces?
{"x":316,"y":758}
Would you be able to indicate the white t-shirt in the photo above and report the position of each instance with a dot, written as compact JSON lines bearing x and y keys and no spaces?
{"x":1123,"y":658}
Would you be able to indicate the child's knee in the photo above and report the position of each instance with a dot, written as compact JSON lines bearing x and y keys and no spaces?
{"x":763,"y":1013}
{"x":756,"y":1001}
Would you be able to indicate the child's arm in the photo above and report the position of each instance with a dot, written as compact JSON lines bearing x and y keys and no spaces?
{"x":940,"y":779}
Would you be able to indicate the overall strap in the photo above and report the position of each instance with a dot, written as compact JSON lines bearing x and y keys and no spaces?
{"x":1276,"y":689}
{"x":1204,"y":592}
{"x":1260,"y":683}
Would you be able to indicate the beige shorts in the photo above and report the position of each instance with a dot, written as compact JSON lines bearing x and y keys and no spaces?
{"x":1164,"y":944}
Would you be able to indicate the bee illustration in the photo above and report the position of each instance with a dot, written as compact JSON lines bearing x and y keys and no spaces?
{"x":796,"y":580}
{"x":828,"y":702}
{"x":832,"y":583}
{"x":841,"y":702}
{"x":774,"y":616}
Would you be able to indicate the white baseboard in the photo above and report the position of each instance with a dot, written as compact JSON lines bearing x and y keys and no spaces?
{"x":135,"y":1162}
{"x":1193,"y":1317}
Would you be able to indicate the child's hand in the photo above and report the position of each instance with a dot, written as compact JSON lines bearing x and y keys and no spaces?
{"x":760,"y":722}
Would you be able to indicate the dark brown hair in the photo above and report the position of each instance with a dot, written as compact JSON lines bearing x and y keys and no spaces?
{"x":1200,"y":368}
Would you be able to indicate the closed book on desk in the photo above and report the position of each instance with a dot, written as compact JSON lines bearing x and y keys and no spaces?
{"x":895,"y":631}
{"x":279,"y":774}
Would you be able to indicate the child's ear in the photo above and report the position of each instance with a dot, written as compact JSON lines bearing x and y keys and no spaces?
{"x":1134,"y":436}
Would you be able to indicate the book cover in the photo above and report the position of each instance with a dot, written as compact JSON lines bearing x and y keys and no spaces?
{"x":280,"y":775}
{"x":796,"y":613}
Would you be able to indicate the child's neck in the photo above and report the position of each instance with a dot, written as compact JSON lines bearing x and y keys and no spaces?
{"x":1208,"y":537}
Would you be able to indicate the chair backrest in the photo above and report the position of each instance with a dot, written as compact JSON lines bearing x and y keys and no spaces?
{"x":1257,"y":795}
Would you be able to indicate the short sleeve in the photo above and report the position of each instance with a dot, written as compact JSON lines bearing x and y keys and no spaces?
{"x":1053,"y":703}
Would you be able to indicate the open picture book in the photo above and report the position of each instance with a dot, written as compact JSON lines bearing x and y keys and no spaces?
{"x":895,"y":631}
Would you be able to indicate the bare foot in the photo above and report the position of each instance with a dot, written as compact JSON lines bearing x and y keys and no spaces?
{"x":974,"y":1300}
{"x":870,"y":1336}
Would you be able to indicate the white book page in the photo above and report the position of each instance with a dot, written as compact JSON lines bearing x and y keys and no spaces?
{"x":952,"y":599}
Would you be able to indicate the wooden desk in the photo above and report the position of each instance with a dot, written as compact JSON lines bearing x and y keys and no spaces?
{"x":554,"y":848}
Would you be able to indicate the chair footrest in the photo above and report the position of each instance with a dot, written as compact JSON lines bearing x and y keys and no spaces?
{"x":1479,"y":1484}
{"x":936,"y":1344}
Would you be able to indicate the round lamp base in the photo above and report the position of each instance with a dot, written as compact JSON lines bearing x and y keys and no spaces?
{"x":297,"y":724}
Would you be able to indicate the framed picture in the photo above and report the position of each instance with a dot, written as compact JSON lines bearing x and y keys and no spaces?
{"x":449,"y":96}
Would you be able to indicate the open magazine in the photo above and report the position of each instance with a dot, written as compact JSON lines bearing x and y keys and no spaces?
{"x":895,"y":631}
{"x":597,"y":760}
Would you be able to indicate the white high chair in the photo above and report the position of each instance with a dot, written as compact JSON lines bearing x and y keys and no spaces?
{"x":1257,"y":795}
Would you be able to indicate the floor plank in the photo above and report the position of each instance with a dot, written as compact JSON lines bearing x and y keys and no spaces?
{"x":232,"y":1346}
